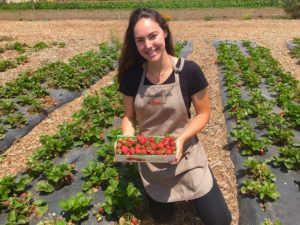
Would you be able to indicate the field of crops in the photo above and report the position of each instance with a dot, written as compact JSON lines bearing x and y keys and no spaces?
{"x":177,"y":4}
{"x":61,"y":169}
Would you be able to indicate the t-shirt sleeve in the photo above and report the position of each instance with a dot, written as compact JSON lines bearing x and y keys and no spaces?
{"x":130,"y":82}
{"x":196,"y":78}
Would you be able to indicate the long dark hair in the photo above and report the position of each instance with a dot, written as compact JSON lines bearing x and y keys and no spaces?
{"x":130,"y":56}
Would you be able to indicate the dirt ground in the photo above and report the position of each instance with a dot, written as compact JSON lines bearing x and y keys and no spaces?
{"x":181,"y":15}
{"x":82,"y":35}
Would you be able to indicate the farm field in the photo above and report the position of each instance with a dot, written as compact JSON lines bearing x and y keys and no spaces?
{"x":82,"y":35}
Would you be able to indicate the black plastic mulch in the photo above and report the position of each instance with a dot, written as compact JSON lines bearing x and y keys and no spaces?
{"x":287,"y":207}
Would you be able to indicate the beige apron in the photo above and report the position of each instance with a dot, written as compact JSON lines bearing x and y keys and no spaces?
{"x":160,"y":110}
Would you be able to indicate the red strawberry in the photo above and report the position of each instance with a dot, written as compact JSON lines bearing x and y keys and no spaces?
{"x":125,"y":150}
{"x":152,"y":152}
{"x":141,"y":139}
{"x":132,"y":151}
{"x":144,"y":151}
{"x":159,"y":152}
{"x":160,"y":145}
{"x":135,"y":221}
{"x":169,"y":152}
{"x":23,"y":195}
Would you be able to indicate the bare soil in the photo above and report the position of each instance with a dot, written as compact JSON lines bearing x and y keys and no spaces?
{"x":180,"y":14}
{"x":81,"y":35}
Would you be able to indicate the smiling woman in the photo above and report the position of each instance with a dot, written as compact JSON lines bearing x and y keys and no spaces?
{"x":149,"y":72}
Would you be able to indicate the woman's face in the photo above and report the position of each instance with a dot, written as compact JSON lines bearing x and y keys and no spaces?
{"x":149,"y":39}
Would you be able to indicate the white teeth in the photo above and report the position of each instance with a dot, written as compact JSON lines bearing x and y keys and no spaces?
{"x":151,"y":52}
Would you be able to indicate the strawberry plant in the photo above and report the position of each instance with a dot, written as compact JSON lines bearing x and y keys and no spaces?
{"x":121,"y":197}
{"x":280,"y":136}
{"x":106,"y":153}
{"x":6,"y":64}
{"x":18,"y":46}
{"x":76,"y":206}
{"x":292,"y":114}
{"x":98,"y":175}
{"x":248,"y":143}
{"x":22,"y":209}
{"x":6,"y":107}
{"x":16,"y":120}
{"x":58,"y":176}
{"x":9,"y":186}
{"x":179,"y":45}
{"x":261,"y":182}
{"x":270,"y":120}
{"x":295,"y":52}
{"x":38,"y":162}
{"x":36,"y":107}
{"x":22,"y":59}
{"x":40,"y":45}
{"x":289,"y":157}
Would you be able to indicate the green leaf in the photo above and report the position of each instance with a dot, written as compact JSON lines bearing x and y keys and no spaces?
{"x":22,"y":219}
{"x":44,"y":186}
{"x":12,"y":216}
{"x":130,"y":189}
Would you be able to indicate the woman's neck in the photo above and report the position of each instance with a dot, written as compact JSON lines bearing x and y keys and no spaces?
{"x":156,"y":68}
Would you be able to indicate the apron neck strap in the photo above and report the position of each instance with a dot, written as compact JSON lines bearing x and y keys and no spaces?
{"x":177,"y":68}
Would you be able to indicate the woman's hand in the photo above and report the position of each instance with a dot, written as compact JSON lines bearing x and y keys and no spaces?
{"x":179,"y":146}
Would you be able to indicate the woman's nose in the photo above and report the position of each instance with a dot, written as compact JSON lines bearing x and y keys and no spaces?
{"x":148,"y":43}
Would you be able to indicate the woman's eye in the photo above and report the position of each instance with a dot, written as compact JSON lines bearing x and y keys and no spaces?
{"x":153,"y":36}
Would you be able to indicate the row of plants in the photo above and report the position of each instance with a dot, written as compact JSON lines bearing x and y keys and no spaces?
{"x":4,"y":38}
{"x":22,"y":48}
{"x":32,"y":89}
{"x":261,"y":120}
{"x":92,"y":126}
{"x":295,"y":51}
{"x":171,"y":4}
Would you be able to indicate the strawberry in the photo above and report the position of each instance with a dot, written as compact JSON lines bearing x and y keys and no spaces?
{"x":144,"y":151}
{"x":132,"y":151}
{"x":125,"y":150}
{"x":141,"y":139}
{"x":23,"y":195}
{"x":135,"y":221}
{"x":138,"y":151}
{"x":159,"y":152}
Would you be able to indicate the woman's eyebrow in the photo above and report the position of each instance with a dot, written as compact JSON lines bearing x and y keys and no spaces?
{"x":152,"y":33}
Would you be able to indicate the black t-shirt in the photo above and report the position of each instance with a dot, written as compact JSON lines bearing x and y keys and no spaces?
{"x":191,"y":78}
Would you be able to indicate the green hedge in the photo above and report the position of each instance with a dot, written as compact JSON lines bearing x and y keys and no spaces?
{"x":166,"y":4}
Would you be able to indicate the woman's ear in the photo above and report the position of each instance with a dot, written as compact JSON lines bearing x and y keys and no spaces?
{"x":166,"y":34}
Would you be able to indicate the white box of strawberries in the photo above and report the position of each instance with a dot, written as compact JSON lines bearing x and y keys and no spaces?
{"x":159,"y":149}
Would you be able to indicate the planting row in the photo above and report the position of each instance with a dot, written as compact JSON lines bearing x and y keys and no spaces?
{"x":173,"y":4}
{"x":263,"y":112}
{"x":294,"y":47}
{"x":21,"y":48}
{"x":28,"y":99}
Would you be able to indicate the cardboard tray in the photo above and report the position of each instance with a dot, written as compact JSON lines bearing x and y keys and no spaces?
{"x":141,"y":157}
